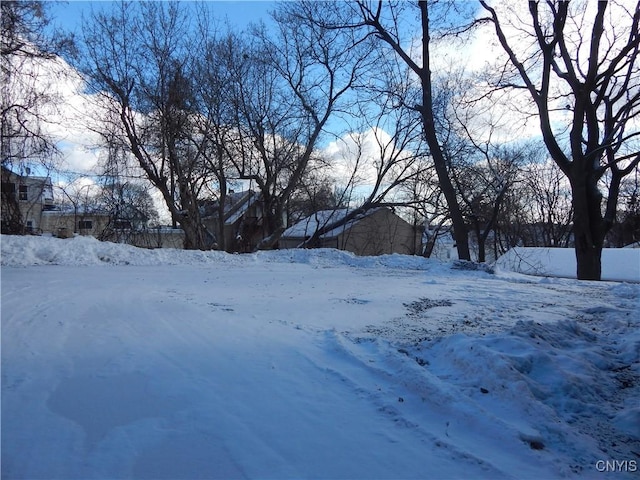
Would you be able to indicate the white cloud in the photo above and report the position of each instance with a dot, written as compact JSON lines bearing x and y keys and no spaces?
{"x":359,"y":151}
{"x":358,"y":159}
{"x":78,"y":190}
{"x":69,"y":114}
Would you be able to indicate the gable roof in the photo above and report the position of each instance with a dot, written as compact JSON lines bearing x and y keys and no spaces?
{"x":325,"y":218}
{"x":235,"y":206}
{"x":238,"y":206}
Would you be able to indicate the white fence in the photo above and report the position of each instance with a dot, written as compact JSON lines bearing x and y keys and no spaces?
{"x":618,"y":264}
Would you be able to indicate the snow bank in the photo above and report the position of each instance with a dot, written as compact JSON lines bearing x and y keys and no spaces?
{"x":86,"y":250}
{"x":618,"y":264}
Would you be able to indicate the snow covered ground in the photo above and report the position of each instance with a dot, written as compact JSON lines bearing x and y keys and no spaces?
{"x":164,"y":364}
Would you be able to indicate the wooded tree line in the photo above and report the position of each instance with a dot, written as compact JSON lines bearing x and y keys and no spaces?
{"x":352,"y":104}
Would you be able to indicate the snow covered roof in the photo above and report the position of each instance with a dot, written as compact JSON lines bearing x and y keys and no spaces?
{"x":70,"y":210}
{"x":236,"y":205}
{"x":239,"y":208}
{"x":325,"y":218}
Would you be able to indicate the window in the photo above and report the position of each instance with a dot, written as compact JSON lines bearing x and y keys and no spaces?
{"x":24,"y":192}
{"x":8,"y":188}
{"x":85,"y":224}
{"x":122,"y":224}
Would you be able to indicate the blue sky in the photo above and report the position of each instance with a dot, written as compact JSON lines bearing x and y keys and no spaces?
{"x":240,"y":13}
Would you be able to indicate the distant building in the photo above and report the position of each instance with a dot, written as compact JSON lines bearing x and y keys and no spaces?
{"x":24,"y":199}
{"x":242,"y":223}
{"x":376,"y":231}
{"x":67,"y":222}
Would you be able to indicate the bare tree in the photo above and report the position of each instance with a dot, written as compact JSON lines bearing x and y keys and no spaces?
{"x":536,"y":211}
{"x":78,"y":195}
{"x":216,"y":74}
{"x":137,"y":61}
{"x":429,"y":207}
{"x":294,"y":83}
{"x":25,"y":145}
{"x":627,"y":229}
{"x":595,"y":79}
{"x":483,"y":182}
{"x":315,"y":192}
{"x":548,"y":201}
{"x":129,"y":208}
{"x":382,"y":19}
{"x":386,"y":157}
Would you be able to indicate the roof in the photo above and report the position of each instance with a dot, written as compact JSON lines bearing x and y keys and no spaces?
{"x":69,"y":210}
{"x":236,"y":205}
{"x":32,"y":178}
{"x":325,"y":218}
{"x":238,"y":208}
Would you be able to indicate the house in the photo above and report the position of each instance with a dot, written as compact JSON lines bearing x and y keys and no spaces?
{"x":24,"y":199}
{"x":69,"y":221}
{"x":376,"y":231}
{"x":242,"y":225}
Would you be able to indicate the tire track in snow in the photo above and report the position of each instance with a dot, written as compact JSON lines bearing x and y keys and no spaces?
{"x":412,"y":399}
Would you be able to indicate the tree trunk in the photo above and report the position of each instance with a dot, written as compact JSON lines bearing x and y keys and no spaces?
{"x":221,"y":237}
{"x":195,"y":235}
{"x":588,"y":259}
{"x":460,"y":232}
{"x":190,"y":236}
{"x":273,"y":225}
{"x":220,"y":234}
{"x":428,"y":248}
{"x":482,"y":256}
{"x":588,"y":227}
